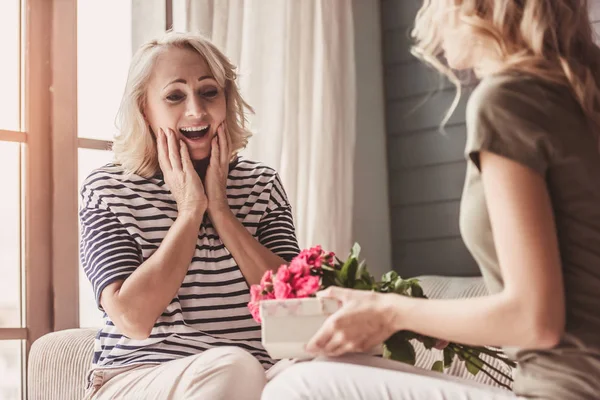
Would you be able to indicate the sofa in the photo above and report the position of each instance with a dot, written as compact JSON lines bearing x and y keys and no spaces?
{"x":58,"y":361}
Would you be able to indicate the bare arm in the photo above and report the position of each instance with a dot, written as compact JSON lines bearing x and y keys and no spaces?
{"x":134,"y":304}
{"x":530,"y":311}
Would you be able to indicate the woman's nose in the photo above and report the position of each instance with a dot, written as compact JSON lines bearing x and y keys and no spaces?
{"x":195,"y":108}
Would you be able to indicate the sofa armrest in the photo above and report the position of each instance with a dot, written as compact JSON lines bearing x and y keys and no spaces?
{"x":58,"y":363}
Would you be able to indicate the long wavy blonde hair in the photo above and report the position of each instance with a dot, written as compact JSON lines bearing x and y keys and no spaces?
{"x":551,"y":39}
{"x":135,"y":147}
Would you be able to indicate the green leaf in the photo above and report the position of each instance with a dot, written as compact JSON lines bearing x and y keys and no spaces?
{"x":401,"y":350}
{"x":389,"y":276}
{"x":401,"y":287}
{"x":416,"y":290}
{"x":348,"y":273}
{"x":473,"y":364}
{"x":360,"y":271}
{"x":438,"y":366}
{"x":386,"y":352}
{"x":355,"y":251}
{"x":474,"y":351}
{"x":448,"y":357}
{"x":428,"y":342}
{"x":362,"y":285}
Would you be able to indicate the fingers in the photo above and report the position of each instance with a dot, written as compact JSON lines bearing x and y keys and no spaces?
{"x":186,"y":160}
{"x":173,"y":148}
{"x":336,"y":342}
{"x":223,"y":144}
{"x":321,"y":338}
{"x":334,"y":292}
{"x":336,"y":346}
{"x":229,"y":145}
{"x":163,"y":155}
{"x":215,"y":152}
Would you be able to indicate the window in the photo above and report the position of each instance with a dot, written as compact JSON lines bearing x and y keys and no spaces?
{"x":103,"y":58}
{"x":102,"y":64}
{"x":12,"y":330}
{"x":50,"y":140}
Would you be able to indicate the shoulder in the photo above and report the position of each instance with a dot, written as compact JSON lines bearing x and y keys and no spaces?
{"x":107,"y":175}
{"x":256,"y":178}
{"x":521,"y":117}
{"x":253,"y":170}
{"x":112,"y":179}
{"x":520,"y":98}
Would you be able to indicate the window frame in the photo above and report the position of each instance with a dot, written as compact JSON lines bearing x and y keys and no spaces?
{"x":34,"y":137}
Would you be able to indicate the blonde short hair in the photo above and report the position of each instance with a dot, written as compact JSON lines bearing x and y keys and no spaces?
{"x":552,"y":39}
{"x":134,"y":147}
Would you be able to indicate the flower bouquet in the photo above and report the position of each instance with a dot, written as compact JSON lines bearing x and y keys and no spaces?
{"x":314,"y":269}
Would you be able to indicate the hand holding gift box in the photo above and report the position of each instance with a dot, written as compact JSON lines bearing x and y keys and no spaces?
{"x":285,"y":303}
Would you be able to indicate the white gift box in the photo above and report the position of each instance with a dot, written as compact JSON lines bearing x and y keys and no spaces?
{"x":288,"y":325}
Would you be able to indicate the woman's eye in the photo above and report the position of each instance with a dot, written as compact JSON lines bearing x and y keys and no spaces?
{"x":174,"y":97}
{"x":210,"y":93}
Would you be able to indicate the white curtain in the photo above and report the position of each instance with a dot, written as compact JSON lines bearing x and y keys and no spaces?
{"x":297,"y":69}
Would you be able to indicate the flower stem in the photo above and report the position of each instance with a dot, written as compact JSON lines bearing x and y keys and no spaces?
{"x":497,"y":355}
{"x":467,"y":360}
{"x":463,"y":349}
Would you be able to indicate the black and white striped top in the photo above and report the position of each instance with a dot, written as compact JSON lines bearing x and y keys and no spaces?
{"x":124,"y":220}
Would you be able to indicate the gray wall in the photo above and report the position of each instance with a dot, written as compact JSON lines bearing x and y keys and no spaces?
{"x":371,"y":217}
{"x":426,"y":168}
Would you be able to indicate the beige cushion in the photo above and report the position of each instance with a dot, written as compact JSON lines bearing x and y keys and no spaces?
{"x":443,"y":287}
{"x":58,"y":363}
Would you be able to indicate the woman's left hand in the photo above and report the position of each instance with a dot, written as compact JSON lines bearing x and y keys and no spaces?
{"x":217,"y":172}
{"x":365,"y":320}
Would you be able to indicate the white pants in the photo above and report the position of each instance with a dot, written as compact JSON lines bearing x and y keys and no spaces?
{"x":220,"y":373}
{"x":363,"y":377}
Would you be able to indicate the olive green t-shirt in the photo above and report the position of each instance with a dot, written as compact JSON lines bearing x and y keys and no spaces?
{"x":541,"y":126}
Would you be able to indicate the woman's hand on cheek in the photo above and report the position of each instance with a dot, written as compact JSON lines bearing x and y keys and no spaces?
{"x":363,"y":322}
{"x":217,"y":172}
{"x":179,"y":174}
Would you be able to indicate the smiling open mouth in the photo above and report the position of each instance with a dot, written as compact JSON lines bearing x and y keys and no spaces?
{"x":196,"y":132}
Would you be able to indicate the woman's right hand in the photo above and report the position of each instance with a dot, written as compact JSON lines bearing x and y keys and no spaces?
{"x":179,"y":174}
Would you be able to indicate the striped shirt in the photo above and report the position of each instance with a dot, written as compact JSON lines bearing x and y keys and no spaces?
{"x":124,"y":220}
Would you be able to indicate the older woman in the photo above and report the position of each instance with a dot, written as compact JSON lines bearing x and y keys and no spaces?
{"x":530,"y":216}
{"x":175,"y":231}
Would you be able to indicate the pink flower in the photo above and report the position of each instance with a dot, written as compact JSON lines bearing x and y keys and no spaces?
{"x":329,"y":258}
{"x":312,"y":256}
{"x":269,"y":295}
{"x":283,"y":274}
{"x":298,"y":267}
{"x":441,"y":344}
{"x":255,"y":311}
{"x":307,"y":285}
{"x":283,"y":290}
{"x":255,"y":292}
{"x":267,"y":278}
